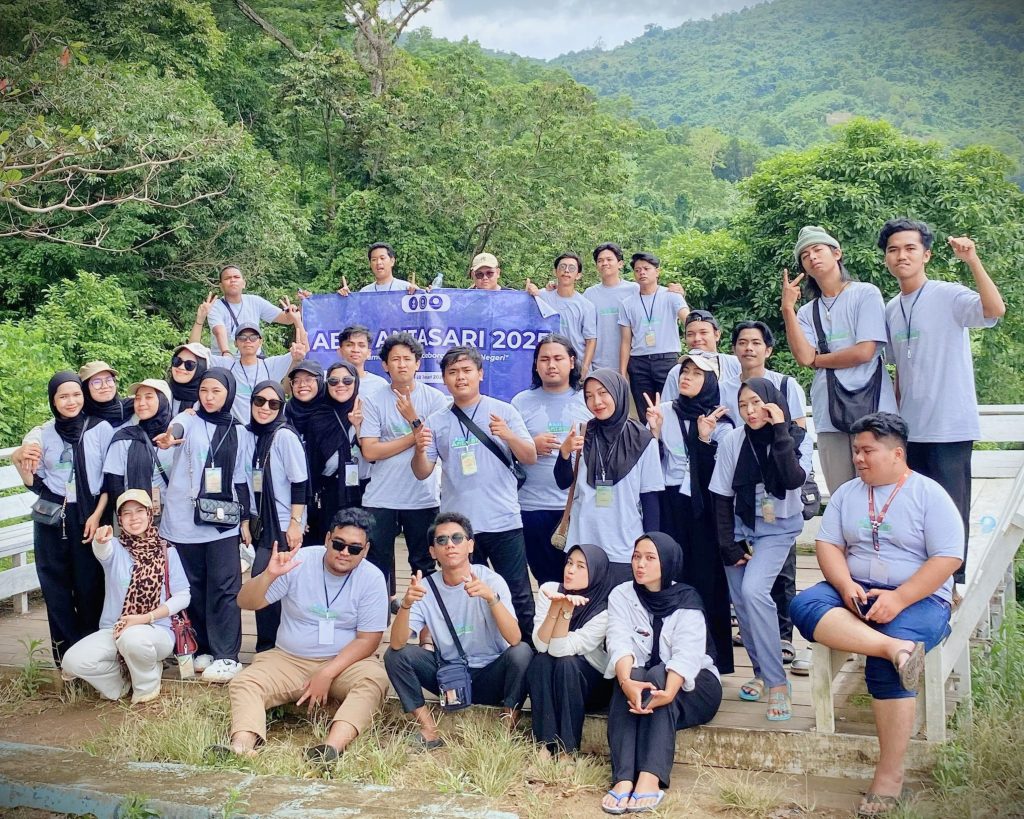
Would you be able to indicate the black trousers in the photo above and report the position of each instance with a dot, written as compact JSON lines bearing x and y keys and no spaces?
{"x":545,"y":561}
{"x":783,"y":592}
{"x":414,"y":523}
{"x":214,"y":578}
{"x":647,"y":374}
{"x":503,"y":682}
{"x":647,"y":742}
{"x":949,"y":465}
{"x":268,"y":618}
{"x":71,"y":580}
{"x":562,"y":690}
{"x":506,"y":554}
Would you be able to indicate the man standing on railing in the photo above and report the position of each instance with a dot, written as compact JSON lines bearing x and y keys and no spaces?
{"x":930,"y":346}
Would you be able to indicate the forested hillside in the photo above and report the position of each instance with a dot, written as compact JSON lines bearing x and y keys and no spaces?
{"x":779,"y":71}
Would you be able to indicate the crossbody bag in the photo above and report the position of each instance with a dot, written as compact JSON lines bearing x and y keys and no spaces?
{"x":454,"y":680}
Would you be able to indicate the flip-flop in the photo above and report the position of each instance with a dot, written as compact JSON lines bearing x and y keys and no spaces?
{"x":618,"y":797}
{"x":910,"y":671}
{"x":788,"y":652}
{"x":737,"y":640}
{"x":756,"y":683}
{"x":322,"y":755}
{"x":658,"y":797}
{"x":878,"y":804}
{"x":780,"y":701}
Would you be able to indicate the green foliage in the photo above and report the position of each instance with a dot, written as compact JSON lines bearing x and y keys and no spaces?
{"x":28,"y":357}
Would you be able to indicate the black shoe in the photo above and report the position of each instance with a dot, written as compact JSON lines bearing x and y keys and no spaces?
{"x":322,"y":755}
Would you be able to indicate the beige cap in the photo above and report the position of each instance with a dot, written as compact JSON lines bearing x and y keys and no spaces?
{"x":157,"y":384}
{"x":89,"y":370}
{"x":483,"y":260}
{"x":137,"y":495}
{"x":704,"y":360}
{"x":197,"y":349}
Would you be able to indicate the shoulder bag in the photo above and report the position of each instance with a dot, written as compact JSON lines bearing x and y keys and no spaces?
{"x":510,"y":461}
{"x":561,"y":534}
{"x":454,"y":680}
{"x":221,"y":514}
{"x":185,"y":642}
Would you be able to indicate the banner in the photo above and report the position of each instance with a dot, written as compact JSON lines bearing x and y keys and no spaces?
{"x":504,"y":325}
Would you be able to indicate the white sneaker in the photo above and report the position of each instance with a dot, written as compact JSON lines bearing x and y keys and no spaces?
{"x":221,"y":671}
{"x":201,"y":662}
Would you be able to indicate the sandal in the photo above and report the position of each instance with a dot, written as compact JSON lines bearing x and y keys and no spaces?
{"x":321,"y":755}
{"x":878,"y":804}
{"x":618,"y":797}
{"x":788,"y":652}
{"x":657,"y":797}
{"x":781,"y":701}
{"x":752,"y":690}
{"x":910,"y":671}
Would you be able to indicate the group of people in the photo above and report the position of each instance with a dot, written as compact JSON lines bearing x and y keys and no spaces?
{"x":653,"y":486}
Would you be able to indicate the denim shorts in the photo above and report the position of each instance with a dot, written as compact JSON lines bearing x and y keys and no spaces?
{"x":926,"y":621}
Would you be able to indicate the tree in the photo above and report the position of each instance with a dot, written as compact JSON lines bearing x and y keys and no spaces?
{"x":378,"y":35}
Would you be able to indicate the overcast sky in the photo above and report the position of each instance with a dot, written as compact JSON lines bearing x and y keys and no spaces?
{"x":547,"y":28}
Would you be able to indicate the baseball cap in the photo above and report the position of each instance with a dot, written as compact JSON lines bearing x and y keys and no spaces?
{"x":89,"y":370}
{"x":157,"y":384}
{"x":706,"y":361}
{"x":701,"y":315}
{"x":247,"y":326}
{"x":197,"y":349}
{"x":137,"y":495}
{"x":483,"y":260}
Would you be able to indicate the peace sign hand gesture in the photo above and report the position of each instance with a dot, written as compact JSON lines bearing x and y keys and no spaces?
{"x":706,"y":423}
{"x":655,"y":417}
{"x":790,"y":290}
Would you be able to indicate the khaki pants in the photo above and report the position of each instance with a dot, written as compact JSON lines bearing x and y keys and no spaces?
{"x":277,"y":677}
{"x":836,"y":454}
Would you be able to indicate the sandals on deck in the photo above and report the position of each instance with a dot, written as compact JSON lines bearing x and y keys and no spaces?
{"x":910,"y":671}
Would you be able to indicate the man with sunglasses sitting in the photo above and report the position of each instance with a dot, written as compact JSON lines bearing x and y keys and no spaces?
{"x":334,"y":609}
{"x":478,"y":605}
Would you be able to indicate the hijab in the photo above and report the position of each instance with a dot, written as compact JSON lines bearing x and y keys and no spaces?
{"x":599,"y":585}
{"x":299,"y":413}
{"x":689,"y":409}
{"x":328,"y":429}
{"x":138,"y":471}
{"x":224,"y":444}
{"x":116,"y":412}
{"x":265,"y":502}
{"x":72,"y":431}
{"x":148,"y":552}
{"x":188,"y":393}
{"x":671,"y":597}
{"x":613,"y":446}
{"x":755,"y":463}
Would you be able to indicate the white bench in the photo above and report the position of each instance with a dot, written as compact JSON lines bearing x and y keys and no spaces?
{"x":16,"y":538}
{"x":996,"y":533}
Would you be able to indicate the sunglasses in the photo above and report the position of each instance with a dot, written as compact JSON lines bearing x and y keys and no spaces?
{"x":273,"y":403}
{"x":186,"y":363}
{"x":457,"y":538}
{"x":484,"y":274}
{"x":351,"y":548}
{"x":347,"y":380}
{"x":247,"y":337}
{"x":106,"y":381}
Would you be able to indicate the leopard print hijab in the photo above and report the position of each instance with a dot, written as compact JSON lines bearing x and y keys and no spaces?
{"x":149,"y":551}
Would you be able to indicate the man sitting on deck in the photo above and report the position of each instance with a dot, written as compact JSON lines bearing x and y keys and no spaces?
{"x":889,"y":543}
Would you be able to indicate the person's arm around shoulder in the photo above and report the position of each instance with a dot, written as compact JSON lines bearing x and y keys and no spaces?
{"x":992,"y":304}
{"x":253,"y":595}
{"x":500,"y":609}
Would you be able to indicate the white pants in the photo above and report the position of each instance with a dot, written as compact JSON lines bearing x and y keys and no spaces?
{"x":94,"y":659}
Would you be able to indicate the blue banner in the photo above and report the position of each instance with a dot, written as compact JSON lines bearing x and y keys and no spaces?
{"x":504,"y":325}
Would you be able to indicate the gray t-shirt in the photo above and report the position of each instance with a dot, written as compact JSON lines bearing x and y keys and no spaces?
{"x":653,"y":318}
{"x":392,"y":482}
{"x":309,"y":595}
{"x":394,"y":286}
{"x":116,"y":463}
{"x":252,"y":310}
{"x":615,"y":527}
{"x":56,"y":466}
{"x":287,"y":466}
{"x":729,"y":394}
{"x":473,"y":481}
{"x":117,"y":573}
{"x":370,"y":384}
{"x":728,"y":370}
{"x":471,"y":616}
{"x":578,"y":317}
{"x":248,"y":376}
{"x":936,"y":318}
{"x":921,"y":522}
{"x":857,"y":314}
{"x":607,"y":300}
{"x":675,"y":460}
{"x":545,"y":411}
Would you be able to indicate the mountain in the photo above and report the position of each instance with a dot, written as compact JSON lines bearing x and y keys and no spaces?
{"x":781,"y":72}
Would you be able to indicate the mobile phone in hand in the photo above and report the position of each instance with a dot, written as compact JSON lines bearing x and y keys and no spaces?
{"x":645,"y":698}
{"x":864,"y":608}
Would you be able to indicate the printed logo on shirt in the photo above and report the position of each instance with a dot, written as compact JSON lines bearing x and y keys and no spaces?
{"x":321,"y":612}
{"x":902,"y":335}
{"x":608,"y":311}
{"x":865,"y":524}
{"x":558,"y":426}
{"x":398,"y":430}
{"x":837,"y":335}
{"x":468,"y":441}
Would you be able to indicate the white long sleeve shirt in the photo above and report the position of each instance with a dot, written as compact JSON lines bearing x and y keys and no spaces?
{"x":587,"y":641}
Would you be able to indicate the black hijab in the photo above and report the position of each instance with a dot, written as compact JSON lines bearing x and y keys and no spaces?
{"x":142,"y":455}
{"x":299,"y":413}
{"x":266,"y":504}
{"x":116,"y":412}
{"x":669,"y":598}
{"x":72,"y":431}
{"x":755,"y":464}
{"x":188,"y":393}
{"x":599,"y":585}
{"x":612,"y":447}
{"x":328,"y":430}
{"x":689,"y":409}
{"x":224,"y":444}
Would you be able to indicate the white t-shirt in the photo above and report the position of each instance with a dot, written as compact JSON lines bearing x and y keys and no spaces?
{"x":607,"y":300}
{"x":921,"y":522}
{"x":936,"y":317}
{"x":578,"y":317}
{"x":586,"y":641}
{"x":729,"y":391}
{"x":392,"y":482}
{"x":56,"y":466}
{"x":252,"y":310}
{"x":729,"y":370}
{"x":655,"y":316}
{"x":288,"y":466}
{"x":117,"y":566}
{"x":545,"y":411}
{"x":473,"y":481}
{"x":394,"y":286}
{"x":857,"y":314}
{"x":370,"y":384}
{"x":310,"y":594}
{"x":116,"y":463}
{"x":616,"y":527}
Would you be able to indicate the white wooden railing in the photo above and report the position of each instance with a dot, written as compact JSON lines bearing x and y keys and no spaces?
{"x":15,"y":539}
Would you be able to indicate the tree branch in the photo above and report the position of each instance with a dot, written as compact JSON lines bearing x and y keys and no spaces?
{"x":249,"y":12}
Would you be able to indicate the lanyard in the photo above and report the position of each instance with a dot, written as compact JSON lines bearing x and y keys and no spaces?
{"x":908,"y":319}
{"x":472,"y":417}
{"x":876,"y":522}
{"x":251,"y":384}
{"x":643,"y":306}
{"x":330,"y":602}
{"x":209,"y":441}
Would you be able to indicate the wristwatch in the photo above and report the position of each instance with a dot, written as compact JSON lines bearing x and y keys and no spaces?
{"x":416,"y":423}
{"x":495,"y":601}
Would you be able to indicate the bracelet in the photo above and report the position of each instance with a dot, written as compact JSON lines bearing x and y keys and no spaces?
{"x":297,"y":520}
{"x":402,"y":605}
{"x":151,"y":618}
{"x":566,"y":615}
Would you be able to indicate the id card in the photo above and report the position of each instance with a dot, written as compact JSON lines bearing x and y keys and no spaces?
{"x":768,"y":509}
{"x":186,"y":670}
{"x":351,"y":474}
{"x":213,"y":480}
{"x":257,"y":480}
{"x":156,"y":500}
{"x":70,"y":492}
{"x":878,"y":572}
{"x":468,"y":460}
{"x":325,"y":632}
{"x":603,"y":493}
{"x":650,"y":338}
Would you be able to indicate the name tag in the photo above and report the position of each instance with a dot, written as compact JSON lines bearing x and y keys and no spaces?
{"x":212,"y":476}
{"x":604,"y":494}
{"x":650,"y":339}
{"x":351,"y":474}
{"x":467,"y":458}
{"x":257,"y":480}
{"x":768,"y":509}
{"x":156,"y":500}
{"x":325,"y":632}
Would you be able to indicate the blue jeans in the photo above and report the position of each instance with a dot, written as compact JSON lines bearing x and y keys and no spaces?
{"x":926,"y":621}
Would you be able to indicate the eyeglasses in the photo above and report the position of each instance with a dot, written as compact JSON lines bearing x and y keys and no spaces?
{"x":260,"y":401}
{"x":247,"y":337}
{"x":485,"y":274}
{"x":347,"y":380}
{"x":568,"y":268}
{"x":105,"y":381}
{"x":186,"y":363}
{"x":351,"y":548}
{"x":457,"y":538}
